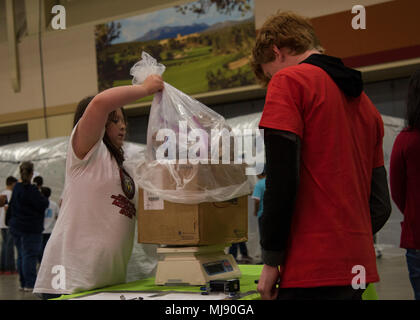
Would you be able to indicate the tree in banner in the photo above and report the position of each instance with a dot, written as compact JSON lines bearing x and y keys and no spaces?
{"x":104,"y":35}
{"x":223,"y":6}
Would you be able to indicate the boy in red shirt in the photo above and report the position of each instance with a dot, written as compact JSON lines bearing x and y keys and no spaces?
{"x":326,"y":187}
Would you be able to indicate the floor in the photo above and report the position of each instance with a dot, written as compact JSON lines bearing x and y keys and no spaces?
{"x":394,"y":284}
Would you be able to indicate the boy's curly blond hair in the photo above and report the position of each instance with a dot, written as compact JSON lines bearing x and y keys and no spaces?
{"x":285,"y":29}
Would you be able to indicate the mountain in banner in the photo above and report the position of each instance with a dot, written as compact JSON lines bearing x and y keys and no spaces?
{"x":172,"y":32}
{"x":168,"y":32}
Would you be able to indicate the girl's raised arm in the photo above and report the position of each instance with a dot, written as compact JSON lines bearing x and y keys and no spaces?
{"x":94,"y":119}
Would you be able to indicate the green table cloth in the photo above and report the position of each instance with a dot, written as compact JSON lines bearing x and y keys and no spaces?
{"x":248,"y":287}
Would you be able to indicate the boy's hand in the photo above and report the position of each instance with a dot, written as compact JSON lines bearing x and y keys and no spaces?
{"x":267,"y":284}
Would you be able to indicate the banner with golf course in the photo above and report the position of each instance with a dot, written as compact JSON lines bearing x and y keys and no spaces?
{"x":204,"y":48}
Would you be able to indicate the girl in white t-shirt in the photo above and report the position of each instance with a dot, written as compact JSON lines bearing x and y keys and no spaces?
{"x":93,"y":237}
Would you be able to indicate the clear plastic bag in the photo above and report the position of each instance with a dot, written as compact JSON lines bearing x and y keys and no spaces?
{"x":186,"y":161}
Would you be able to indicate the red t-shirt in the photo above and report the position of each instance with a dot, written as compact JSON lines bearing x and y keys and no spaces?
{"x":341,"y":143}
{"x":405,"y":185}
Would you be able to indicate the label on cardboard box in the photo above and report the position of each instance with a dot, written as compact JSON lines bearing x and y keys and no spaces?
{"x":152,"y":201}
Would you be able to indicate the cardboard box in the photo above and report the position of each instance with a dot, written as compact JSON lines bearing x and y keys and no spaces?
{"x":208,"y":223}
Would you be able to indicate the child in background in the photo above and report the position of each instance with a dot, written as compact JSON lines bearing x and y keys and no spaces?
{"x":51,"y":215}
{"x":258,"y":196}
{"x":38,"y":181}
{"x":7,"y":260}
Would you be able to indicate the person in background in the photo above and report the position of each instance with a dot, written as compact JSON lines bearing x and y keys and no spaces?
{"x":26,"y":224}
{"x":7,"y":260}
{"x":258,"y":196}
{"x":3,"y":200}
{"x":326,"y":187}
{"x":51,"y":215}
{"x":245,"y":258}
{"x":38,"y":181}
{"x":378,"y":250}
{"x":92,"y":240}
{"x":405,"y":181}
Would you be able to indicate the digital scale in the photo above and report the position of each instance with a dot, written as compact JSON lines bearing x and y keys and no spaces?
{"x":195,"y":265}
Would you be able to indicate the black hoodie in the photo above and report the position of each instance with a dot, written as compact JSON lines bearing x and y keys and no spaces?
{"x":348,"y":80}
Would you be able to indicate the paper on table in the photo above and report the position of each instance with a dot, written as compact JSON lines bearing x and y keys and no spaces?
{"x":115,"y":296}
{"x":151,"y":296}
{"x":189,"y":296}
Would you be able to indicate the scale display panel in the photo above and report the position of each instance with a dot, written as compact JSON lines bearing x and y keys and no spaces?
{"x":217,"y":267}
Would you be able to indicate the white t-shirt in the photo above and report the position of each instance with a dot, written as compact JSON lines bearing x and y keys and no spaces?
{"x":92,"y":240}
{"x":8,"y":194}
{"x":51,"y":214}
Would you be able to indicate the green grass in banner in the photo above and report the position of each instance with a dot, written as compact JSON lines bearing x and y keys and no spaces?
{"x":188,"y":73}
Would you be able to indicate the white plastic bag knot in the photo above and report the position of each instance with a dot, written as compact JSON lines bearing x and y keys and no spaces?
{"x":145,"y":67}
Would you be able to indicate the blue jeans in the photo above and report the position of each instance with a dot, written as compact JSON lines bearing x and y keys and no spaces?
{"x":28,"y":247}
{"x":7,"y":260}
{"x":413,"y":263}
{"x":233,"y":250}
